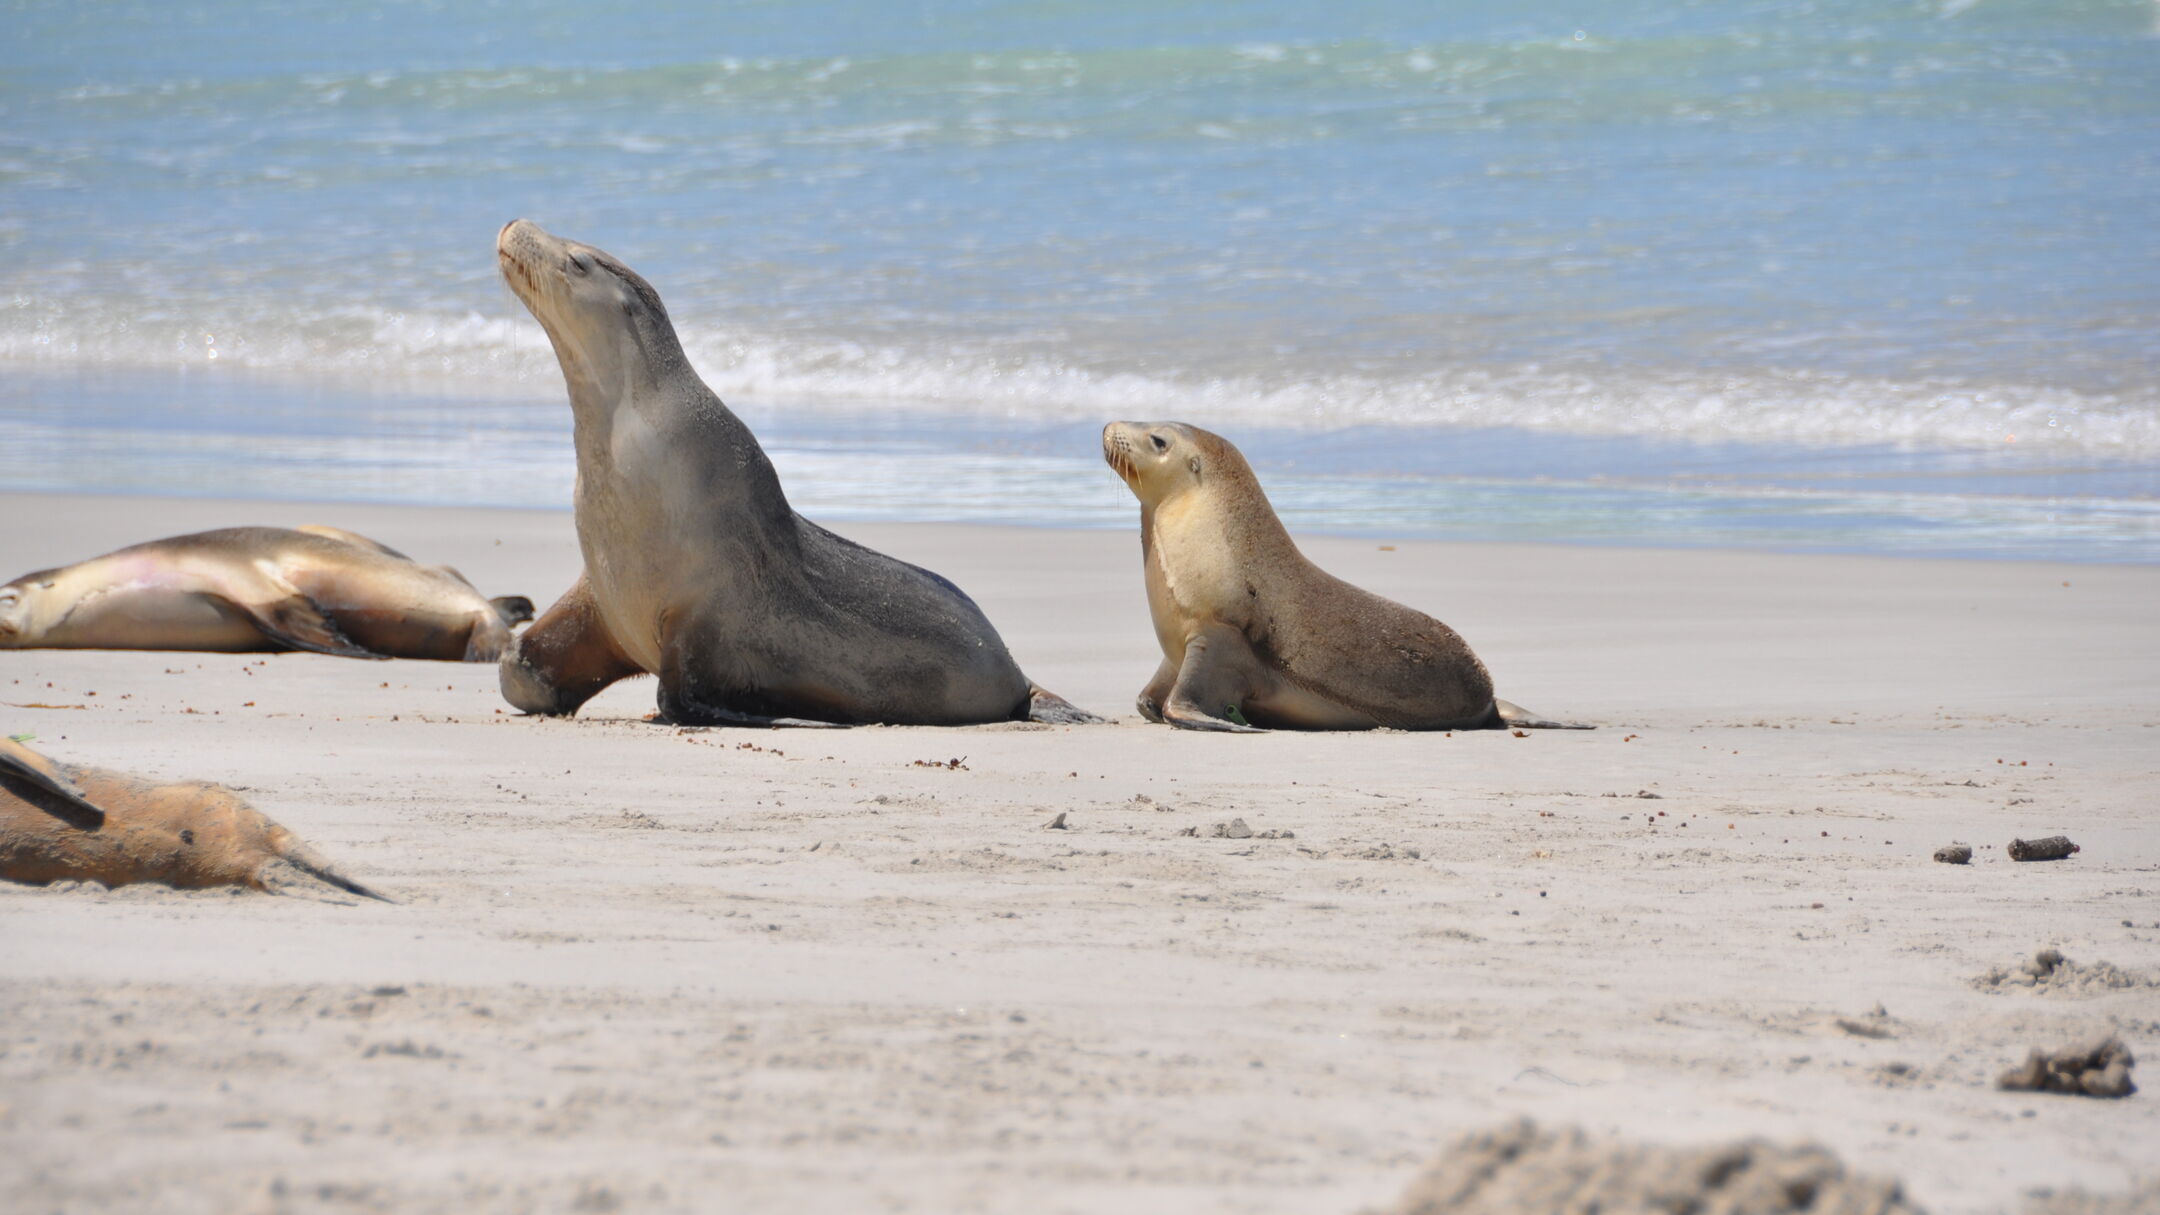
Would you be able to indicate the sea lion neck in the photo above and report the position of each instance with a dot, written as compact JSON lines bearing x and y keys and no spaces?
{"x":640,"y":364}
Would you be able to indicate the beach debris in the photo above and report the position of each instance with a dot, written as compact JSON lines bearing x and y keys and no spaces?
{"x":2047,"y":848}
{"x":1954,"y":854}
{"x":2096,"y":1067}
{"x":2050,"y":973}
{"x":957,"y":763}
{"x":1877,"y":1023}
{"x":1057,"y":824}
{"x":1238,"y":829}
{"x":2144,"y":1200}
{"x":408,"y":1049}
{"x":1519,"y":1167}
{"x":1897,"y":1074}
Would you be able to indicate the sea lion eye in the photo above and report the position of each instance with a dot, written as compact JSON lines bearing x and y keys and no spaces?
{"x":1161,"y":444}
{"x":581,"y":263}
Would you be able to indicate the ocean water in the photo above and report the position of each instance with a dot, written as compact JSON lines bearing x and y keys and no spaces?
{"x":1872,"y":275}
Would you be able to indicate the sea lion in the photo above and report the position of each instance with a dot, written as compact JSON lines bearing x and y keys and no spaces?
{"x":1255,"y":636}
{"x":59,"y":822}
{"x":244,"y":589}
{"x":696,"y":568}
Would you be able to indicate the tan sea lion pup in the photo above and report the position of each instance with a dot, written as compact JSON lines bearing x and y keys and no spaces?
{"x":1256,"y":636}
{"x":243,"y":589}
{"x":59,"y":822}
{"x":696,"y":568}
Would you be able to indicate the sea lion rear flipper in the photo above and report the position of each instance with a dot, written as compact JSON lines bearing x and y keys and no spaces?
{"x":295,"y":620}
{"x":19,"y":765}
{"x":1515,"y":715}
{"x":307,"y":861}
{"x":514,"y":609}
{"x":1049,"y":707}
{"x":353,"y":538}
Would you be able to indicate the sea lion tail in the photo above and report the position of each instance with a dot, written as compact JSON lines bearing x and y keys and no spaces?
{"x":514,"y":609}
{"x":312,"y":863}
{"x":1515,"y":716}
{"x":1052,"y":709}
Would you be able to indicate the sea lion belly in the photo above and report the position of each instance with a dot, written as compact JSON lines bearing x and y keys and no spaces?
{"x":148,"y":616}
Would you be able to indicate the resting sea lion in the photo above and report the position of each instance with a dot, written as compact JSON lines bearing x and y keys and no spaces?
{"x":696,"y":568}
{"x":260,"y":588}
{"x":1253,"y":634}
{"x":59,"y":823}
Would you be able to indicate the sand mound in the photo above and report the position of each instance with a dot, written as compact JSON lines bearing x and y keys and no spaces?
{"x":2097,"y":1067}
{"x":1521,"y":1168}
{"x":2050,"y":973}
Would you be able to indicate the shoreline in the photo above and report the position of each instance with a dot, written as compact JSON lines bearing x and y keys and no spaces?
{"x":807,"y":970}
{"x":228,"y":435}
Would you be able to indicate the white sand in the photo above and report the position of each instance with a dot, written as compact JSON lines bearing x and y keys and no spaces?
{"x":644,"y":969}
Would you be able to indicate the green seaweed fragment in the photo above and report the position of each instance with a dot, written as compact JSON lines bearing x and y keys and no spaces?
{"x":21,"y":737}
{"x":1231,"y":712}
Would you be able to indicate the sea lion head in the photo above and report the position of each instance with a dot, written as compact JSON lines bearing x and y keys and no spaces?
{"x":28,"y":606}
{"x":1160,"y":460}
{"x":609,"y":328}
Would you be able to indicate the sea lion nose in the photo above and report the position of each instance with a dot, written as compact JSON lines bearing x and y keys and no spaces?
{"x":516,"y":229}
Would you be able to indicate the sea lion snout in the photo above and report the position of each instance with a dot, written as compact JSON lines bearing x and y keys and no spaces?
{"x":14,"y":613}
{"x":518,"y":251}
{"x":1117,"y":449}
{"x":1141,"y":452}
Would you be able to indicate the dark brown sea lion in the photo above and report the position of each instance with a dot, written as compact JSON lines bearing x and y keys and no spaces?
{"x":260,"y":588}
{"x":60,"y":822}
{"x":1254,"y":636}
{"x":696,"y":568}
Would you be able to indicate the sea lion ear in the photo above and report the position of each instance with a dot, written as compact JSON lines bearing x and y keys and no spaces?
{"x":1193,"y":463}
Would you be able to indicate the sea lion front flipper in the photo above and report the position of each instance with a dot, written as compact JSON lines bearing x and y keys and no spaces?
{"x":1515,"y":715}
{"x":1151,"y":698}
{"x":1211,"y":683}
{"x":20,"y":766}
{"x":353,"y":538}
{"x":1052,"y":709}
{"x":564,"y":659}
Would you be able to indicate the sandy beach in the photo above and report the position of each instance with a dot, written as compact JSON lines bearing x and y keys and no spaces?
{"x":645,"y":969}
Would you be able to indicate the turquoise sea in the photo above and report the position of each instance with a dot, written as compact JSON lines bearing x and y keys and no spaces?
{"x":1863,"y":275}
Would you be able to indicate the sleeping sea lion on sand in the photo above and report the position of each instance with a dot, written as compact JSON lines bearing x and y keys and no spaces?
{"x":244,"y":589}
{"x":696,"y":568}
{"x":1256,"y":636}
{"x":59,"y":822}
